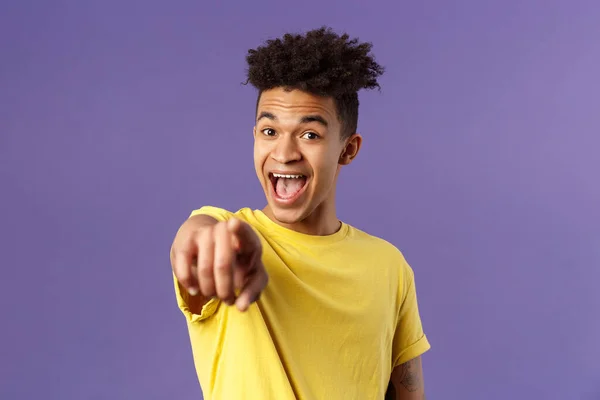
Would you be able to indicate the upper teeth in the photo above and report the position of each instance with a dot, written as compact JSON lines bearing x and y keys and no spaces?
{"x":287,"y":176}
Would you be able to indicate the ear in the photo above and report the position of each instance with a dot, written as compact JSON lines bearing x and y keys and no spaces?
{"x":351,"y":149}
{"x":254,"y":131}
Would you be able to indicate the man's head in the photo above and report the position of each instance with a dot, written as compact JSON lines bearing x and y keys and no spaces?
{"x":306,"y":117}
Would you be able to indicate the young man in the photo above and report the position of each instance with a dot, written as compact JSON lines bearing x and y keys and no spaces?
{"x":288,"y":302}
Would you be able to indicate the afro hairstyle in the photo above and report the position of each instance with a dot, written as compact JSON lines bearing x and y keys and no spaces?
{"x":319,"y":62}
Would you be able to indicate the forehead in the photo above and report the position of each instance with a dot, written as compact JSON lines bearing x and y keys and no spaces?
{"x":296,"y":103}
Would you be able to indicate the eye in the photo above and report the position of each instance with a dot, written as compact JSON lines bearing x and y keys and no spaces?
{"x":268,"y":132}
{"x":310,"y":136}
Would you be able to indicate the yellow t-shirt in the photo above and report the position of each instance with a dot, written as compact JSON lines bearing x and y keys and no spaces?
{"x":338,"y":314}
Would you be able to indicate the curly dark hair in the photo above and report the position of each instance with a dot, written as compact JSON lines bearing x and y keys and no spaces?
{"x":320,"y":62}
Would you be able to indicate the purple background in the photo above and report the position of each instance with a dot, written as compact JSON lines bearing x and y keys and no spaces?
{"x":119,"y":117}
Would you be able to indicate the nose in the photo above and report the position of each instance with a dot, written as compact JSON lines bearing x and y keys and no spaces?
{"x":286,"y":150}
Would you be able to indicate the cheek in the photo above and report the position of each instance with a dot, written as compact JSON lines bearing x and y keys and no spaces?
{"x":326,"y":165}
{"x":259,"y":161}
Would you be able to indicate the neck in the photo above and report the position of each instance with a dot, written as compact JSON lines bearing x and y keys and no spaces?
{"x":322,"y":221}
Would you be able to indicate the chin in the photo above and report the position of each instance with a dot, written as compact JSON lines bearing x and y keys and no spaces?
{"x":288,"y":216}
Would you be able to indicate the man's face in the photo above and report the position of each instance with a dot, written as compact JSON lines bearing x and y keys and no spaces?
{"x":298,"y":152}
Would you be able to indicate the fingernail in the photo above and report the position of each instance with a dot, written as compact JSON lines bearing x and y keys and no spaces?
{"x":242,"y":305}
{"x":193,"y":291}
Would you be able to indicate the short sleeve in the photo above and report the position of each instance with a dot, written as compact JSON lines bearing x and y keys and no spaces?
{"x":184,"y":299}
{"x":409,"y":339}
{"x":185,"y":303}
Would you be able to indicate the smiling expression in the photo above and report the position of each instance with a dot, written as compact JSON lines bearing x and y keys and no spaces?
{"x":298,"y":152}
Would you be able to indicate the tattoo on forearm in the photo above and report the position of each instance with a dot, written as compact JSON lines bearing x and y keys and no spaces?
{"x":410,"y":377}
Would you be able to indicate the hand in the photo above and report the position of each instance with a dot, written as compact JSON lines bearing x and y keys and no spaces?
{"x":216,"y":259}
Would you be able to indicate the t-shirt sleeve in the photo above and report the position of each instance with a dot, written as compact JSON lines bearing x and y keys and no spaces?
{"x":409,"y":339}
{"x":185,"y":301}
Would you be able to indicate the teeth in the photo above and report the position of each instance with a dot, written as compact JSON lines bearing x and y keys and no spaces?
{"x":287,"y":176}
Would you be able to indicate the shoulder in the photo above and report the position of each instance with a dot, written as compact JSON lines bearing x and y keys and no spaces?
{"x":372,"y":242}
{"x":384,"y":251}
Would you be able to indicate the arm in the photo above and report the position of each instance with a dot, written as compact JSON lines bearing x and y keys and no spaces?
{"x":216,"y":260}
{"x":406,"y":382}
{"x":409,"y":343}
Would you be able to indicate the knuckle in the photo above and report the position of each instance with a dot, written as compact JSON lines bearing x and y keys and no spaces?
{"x":220,"y":227}
{"x":205,"y":272}
{"x":222,"y":265}
{"x":205,"y":229}
{"x":204,"y":235}
{"x":205,"y":267}
{"x":180,"y":253}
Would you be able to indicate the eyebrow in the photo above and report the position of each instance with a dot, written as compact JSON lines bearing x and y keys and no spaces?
{"x":304,"y":120}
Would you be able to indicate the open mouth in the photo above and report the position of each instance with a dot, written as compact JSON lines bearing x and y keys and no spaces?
{"x":287,"y":187}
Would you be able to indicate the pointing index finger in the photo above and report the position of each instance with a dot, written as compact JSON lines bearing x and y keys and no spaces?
{"x":245,"y":235}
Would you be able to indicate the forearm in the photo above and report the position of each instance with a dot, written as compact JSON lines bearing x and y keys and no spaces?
{"x":406,"y":382}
